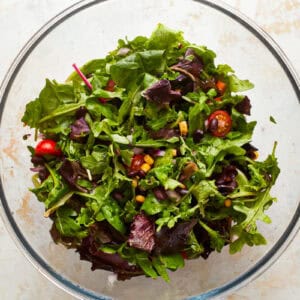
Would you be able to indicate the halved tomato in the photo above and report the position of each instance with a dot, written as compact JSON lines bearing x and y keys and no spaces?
{"x":219,"y":123}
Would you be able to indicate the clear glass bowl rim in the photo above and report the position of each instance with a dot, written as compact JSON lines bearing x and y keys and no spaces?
{"x":79,"y":292}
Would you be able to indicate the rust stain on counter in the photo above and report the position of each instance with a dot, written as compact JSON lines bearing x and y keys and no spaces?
{"x":10,"y":151}
{"x":25,"y":211}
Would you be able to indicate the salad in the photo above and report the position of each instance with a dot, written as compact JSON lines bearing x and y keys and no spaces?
{"x":145,"y":158}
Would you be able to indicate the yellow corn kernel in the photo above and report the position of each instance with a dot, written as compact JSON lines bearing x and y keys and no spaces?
{"x":227,"y":203}
{"x":256,"y":155}
{"x":134,"y":183}
{"x":145,"y":167}
{"x":183,"y":128}
{"x":148,"y":159}
{"x":174,"y":152}
{"x":139,"y":198}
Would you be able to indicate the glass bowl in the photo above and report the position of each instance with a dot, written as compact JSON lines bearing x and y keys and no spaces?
{"x":91,"y":28}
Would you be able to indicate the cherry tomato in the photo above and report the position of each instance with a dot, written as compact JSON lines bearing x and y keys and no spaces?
{"x":219,"y":123}
{"x":136,"y":162}
{"x":47,"y":147}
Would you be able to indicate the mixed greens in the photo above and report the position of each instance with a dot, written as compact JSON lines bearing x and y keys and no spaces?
{"x":145,"y":158}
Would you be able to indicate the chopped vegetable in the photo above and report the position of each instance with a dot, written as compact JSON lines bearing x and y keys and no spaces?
{"x":221,"y":87}
{"x":219,"y":123}
{"x":183,"y":128}
{"x":47,"y":147}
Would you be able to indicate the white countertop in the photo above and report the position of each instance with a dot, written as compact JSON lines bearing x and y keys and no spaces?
{"x":19,"y":20}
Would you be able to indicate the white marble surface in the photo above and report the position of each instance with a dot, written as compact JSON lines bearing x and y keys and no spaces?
{"x":19,"y":19}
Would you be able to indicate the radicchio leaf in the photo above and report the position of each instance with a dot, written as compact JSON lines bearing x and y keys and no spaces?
{"x":173,"y":240}
{"x":142,"y":232}
{"x":161,"y":92}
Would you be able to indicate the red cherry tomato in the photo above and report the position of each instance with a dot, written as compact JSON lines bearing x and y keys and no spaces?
{"x":47,"y":147}
{"x":219,"y":123}
{"x":136,"y":162}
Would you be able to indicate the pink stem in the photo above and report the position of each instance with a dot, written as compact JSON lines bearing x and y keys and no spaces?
{"x":82,"y":76}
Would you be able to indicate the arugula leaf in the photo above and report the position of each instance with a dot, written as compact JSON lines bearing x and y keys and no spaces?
{"x":144,"y":262}
{"x":213,"y":150}
{"x":152,"y":206}
{"x":254,"y":209}
{"x":96,"y":162}
{"x":112,"y":212}
{"x":223,"y":69}
{"x":66,"y":224}
{"x":160,"y":268}
{"x":194,"y":247}
{"x":216,"y":241}
{"x":239,"y":85}
{"x":173,"y":261}
{"x":203,"y":192}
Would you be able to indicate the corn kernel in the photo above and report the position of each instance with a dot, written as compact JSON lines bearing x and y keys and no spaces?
{"x":174,"y":152}
{"x":139,"y":198}
{"x":256,"y":155}
{"x":148,"y":159}
{"x":227,"y":203}
{"x":183,"y":128}
{"x":134,"y":183}
{"x":145,"y":167}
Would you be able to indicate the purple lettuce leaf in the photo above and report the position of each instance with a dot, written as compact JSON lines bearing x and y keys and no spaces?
{"x":161,"y":93}
{"x":39,"y":167}
{"x":165,"y":133}
{"x":244,"y":107}
{"x":71,"y":171}
{"x":142,"y":231}
{"x":79,"y":129}
{"x":191,"y":65}
{"x":89,"y":250}
{"x":173,"y":240}
{"x":183,"y":83}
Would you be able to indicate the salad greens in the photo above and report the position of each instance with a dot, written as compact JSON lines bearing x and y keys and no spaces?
{"x":151,"y":163}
